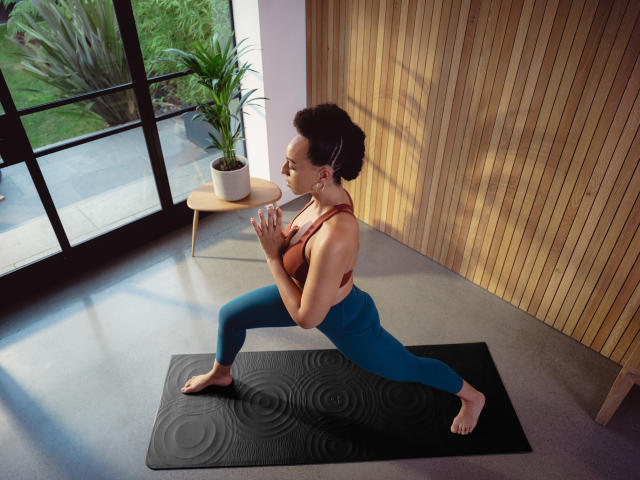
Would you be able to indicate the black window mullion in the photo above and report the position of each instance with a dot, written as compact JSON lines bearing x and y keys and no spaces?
{"x":73,"y":99}
{"x":15,"y":146}
{"x":129,"y":33}
{"x":95,"y":93}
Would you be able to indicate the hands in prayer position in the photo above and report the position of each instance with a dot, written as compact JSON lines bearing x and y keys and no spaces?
{"x":270,"y":233}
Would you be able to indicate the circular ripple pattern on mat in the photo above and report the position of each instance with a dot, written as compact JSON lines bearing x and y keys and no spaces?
{"x":263,"y":408}
{"x":192,"y":439}
{"x":182,"y":369}
{"x":324,"y":397}
{"x":404,"y":405}
{"x":324,"y":359}
{"x":333,"y":446}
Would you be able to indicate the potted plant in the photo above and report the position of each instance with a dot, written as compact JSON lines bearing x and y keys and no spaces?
{"x":217,"y":69}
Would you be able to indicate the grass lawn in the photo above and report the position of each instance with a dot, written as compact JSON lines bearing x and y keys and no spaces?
{"x":43,"y":128}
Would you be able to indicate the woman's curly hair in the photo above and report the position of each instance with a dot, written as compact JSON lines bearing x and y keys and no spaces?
{"x":333,"y":138}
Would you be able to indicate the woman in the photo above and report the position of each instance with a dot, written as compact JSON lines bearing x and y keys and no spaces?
{"x":314,"y":284}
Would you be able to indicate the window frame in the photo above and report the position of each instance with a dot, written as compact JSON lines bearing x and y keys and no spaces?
{"x":16,"y":148}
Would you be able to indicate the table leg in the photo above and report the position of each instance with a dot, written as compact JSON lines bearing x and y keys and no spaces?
{"x":194,"y":230}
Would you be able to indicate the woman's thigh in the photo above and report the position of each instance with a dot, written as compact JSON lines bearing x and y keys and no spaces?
{"x":262,"y":307}
{"x":371,"y":347}
{"x":366,"y":343}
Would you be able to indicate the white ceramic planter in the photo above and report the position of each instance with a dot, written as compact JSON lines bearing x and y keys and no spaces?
{"x":231,"y":185}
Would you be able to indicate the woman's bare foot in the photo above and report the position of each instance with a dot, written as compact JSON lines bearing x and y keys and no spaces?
{"x":199,"y":382}
{"x":472,"y":405}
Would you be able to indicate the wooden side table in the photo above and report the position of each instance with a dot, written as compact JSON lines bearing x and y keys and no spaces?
{"x":202,"y":199}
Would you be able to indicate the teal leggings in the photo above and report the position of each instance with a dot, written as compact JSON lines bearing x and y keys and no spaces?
{"x":353,"y":325}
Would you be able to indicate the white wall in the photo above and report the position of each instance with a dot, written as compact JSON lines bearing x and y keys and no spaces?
{"x":276,"y":32}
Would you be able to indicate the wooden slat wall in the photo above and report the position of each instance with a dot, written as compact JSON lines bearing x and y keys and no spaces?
{"x":502,"y":142}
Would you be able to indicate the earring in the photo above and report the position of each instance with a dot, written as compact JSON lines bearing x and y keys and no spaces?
{"x":315,"y":189}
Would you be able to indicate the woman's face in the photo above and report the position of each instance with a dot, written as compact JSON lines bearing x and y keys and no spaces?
{"x":297,"y":168}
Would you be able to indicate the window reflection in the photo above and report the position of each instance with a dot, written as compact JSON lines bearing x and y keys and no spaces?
{"x":101,"y":185}
{"x":26,"y":235}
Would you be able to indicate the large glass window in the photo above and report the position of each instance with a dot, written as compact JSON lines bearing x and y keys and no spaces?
{"x":94,"y":150}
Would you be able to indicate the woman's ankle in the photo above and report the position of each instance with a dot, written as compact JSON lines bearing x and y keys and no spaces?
{"x":468,"y":393}
{"x":219,"y":370}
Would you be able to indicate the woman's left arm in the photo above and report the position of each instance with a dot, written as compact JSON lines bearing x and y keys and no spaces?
{"x":309,"y":307}
{"x":331,"y":252}
{"x":274,"y":241}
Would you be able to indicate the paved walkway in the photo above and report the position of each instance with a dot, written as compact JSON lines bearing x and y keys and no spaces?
{"x":96,"y":187}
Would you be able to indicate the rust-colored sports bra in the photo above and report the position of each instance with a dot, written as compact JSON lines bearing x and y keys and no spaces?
{"x":293,"y":258}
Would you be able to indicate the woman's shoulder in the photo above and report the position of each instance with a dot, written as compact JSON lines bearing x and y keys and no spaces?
{"x":339,"y":233}
{"x":342,"y":225}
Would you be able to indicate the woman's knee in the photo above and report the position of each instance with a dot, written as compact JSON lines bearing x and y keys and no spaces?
{"x":245,"y":307}
{"x":229,"y":314}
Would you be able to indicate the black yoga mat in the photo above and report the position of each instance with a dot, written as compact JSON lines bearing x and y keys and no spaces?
{"x":316,"y":406}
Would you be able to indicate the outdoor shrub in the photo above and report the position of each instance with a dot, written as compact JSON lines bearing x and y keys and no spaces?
{"x":76,"y":48}
{"x":179,"y":24}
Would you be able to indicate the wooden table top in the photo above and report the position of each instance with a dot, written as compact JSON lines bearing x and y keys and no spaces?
{"x":262,"y":192}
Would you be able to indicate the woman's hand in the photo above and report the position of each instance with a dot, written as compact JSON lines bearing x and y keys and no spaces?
{"x":270,"y":233}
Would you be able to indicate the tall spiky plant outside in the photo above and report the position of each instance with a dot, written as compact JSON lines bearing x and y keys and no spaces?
{"x":216,"y":68}
{"x":78,"y":49}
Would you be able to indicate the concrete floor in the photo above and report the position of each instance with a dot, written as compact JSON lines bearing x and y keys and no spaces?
{"x":82,"y":368}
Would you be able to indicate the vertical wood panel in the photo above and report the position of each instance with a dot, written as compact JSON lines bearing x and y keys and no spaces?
{"x":439,"y":128}
{"x":359,"y":97}
{"x":502,"y":141}
{"x":414,"y":128}
{"x":431,"y":24}
{"x":513,"y":44}
{"x":455,"y":159}
{"x":439,"y":23}
{"x":453,"y":98}
{"x":367,"y":176}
